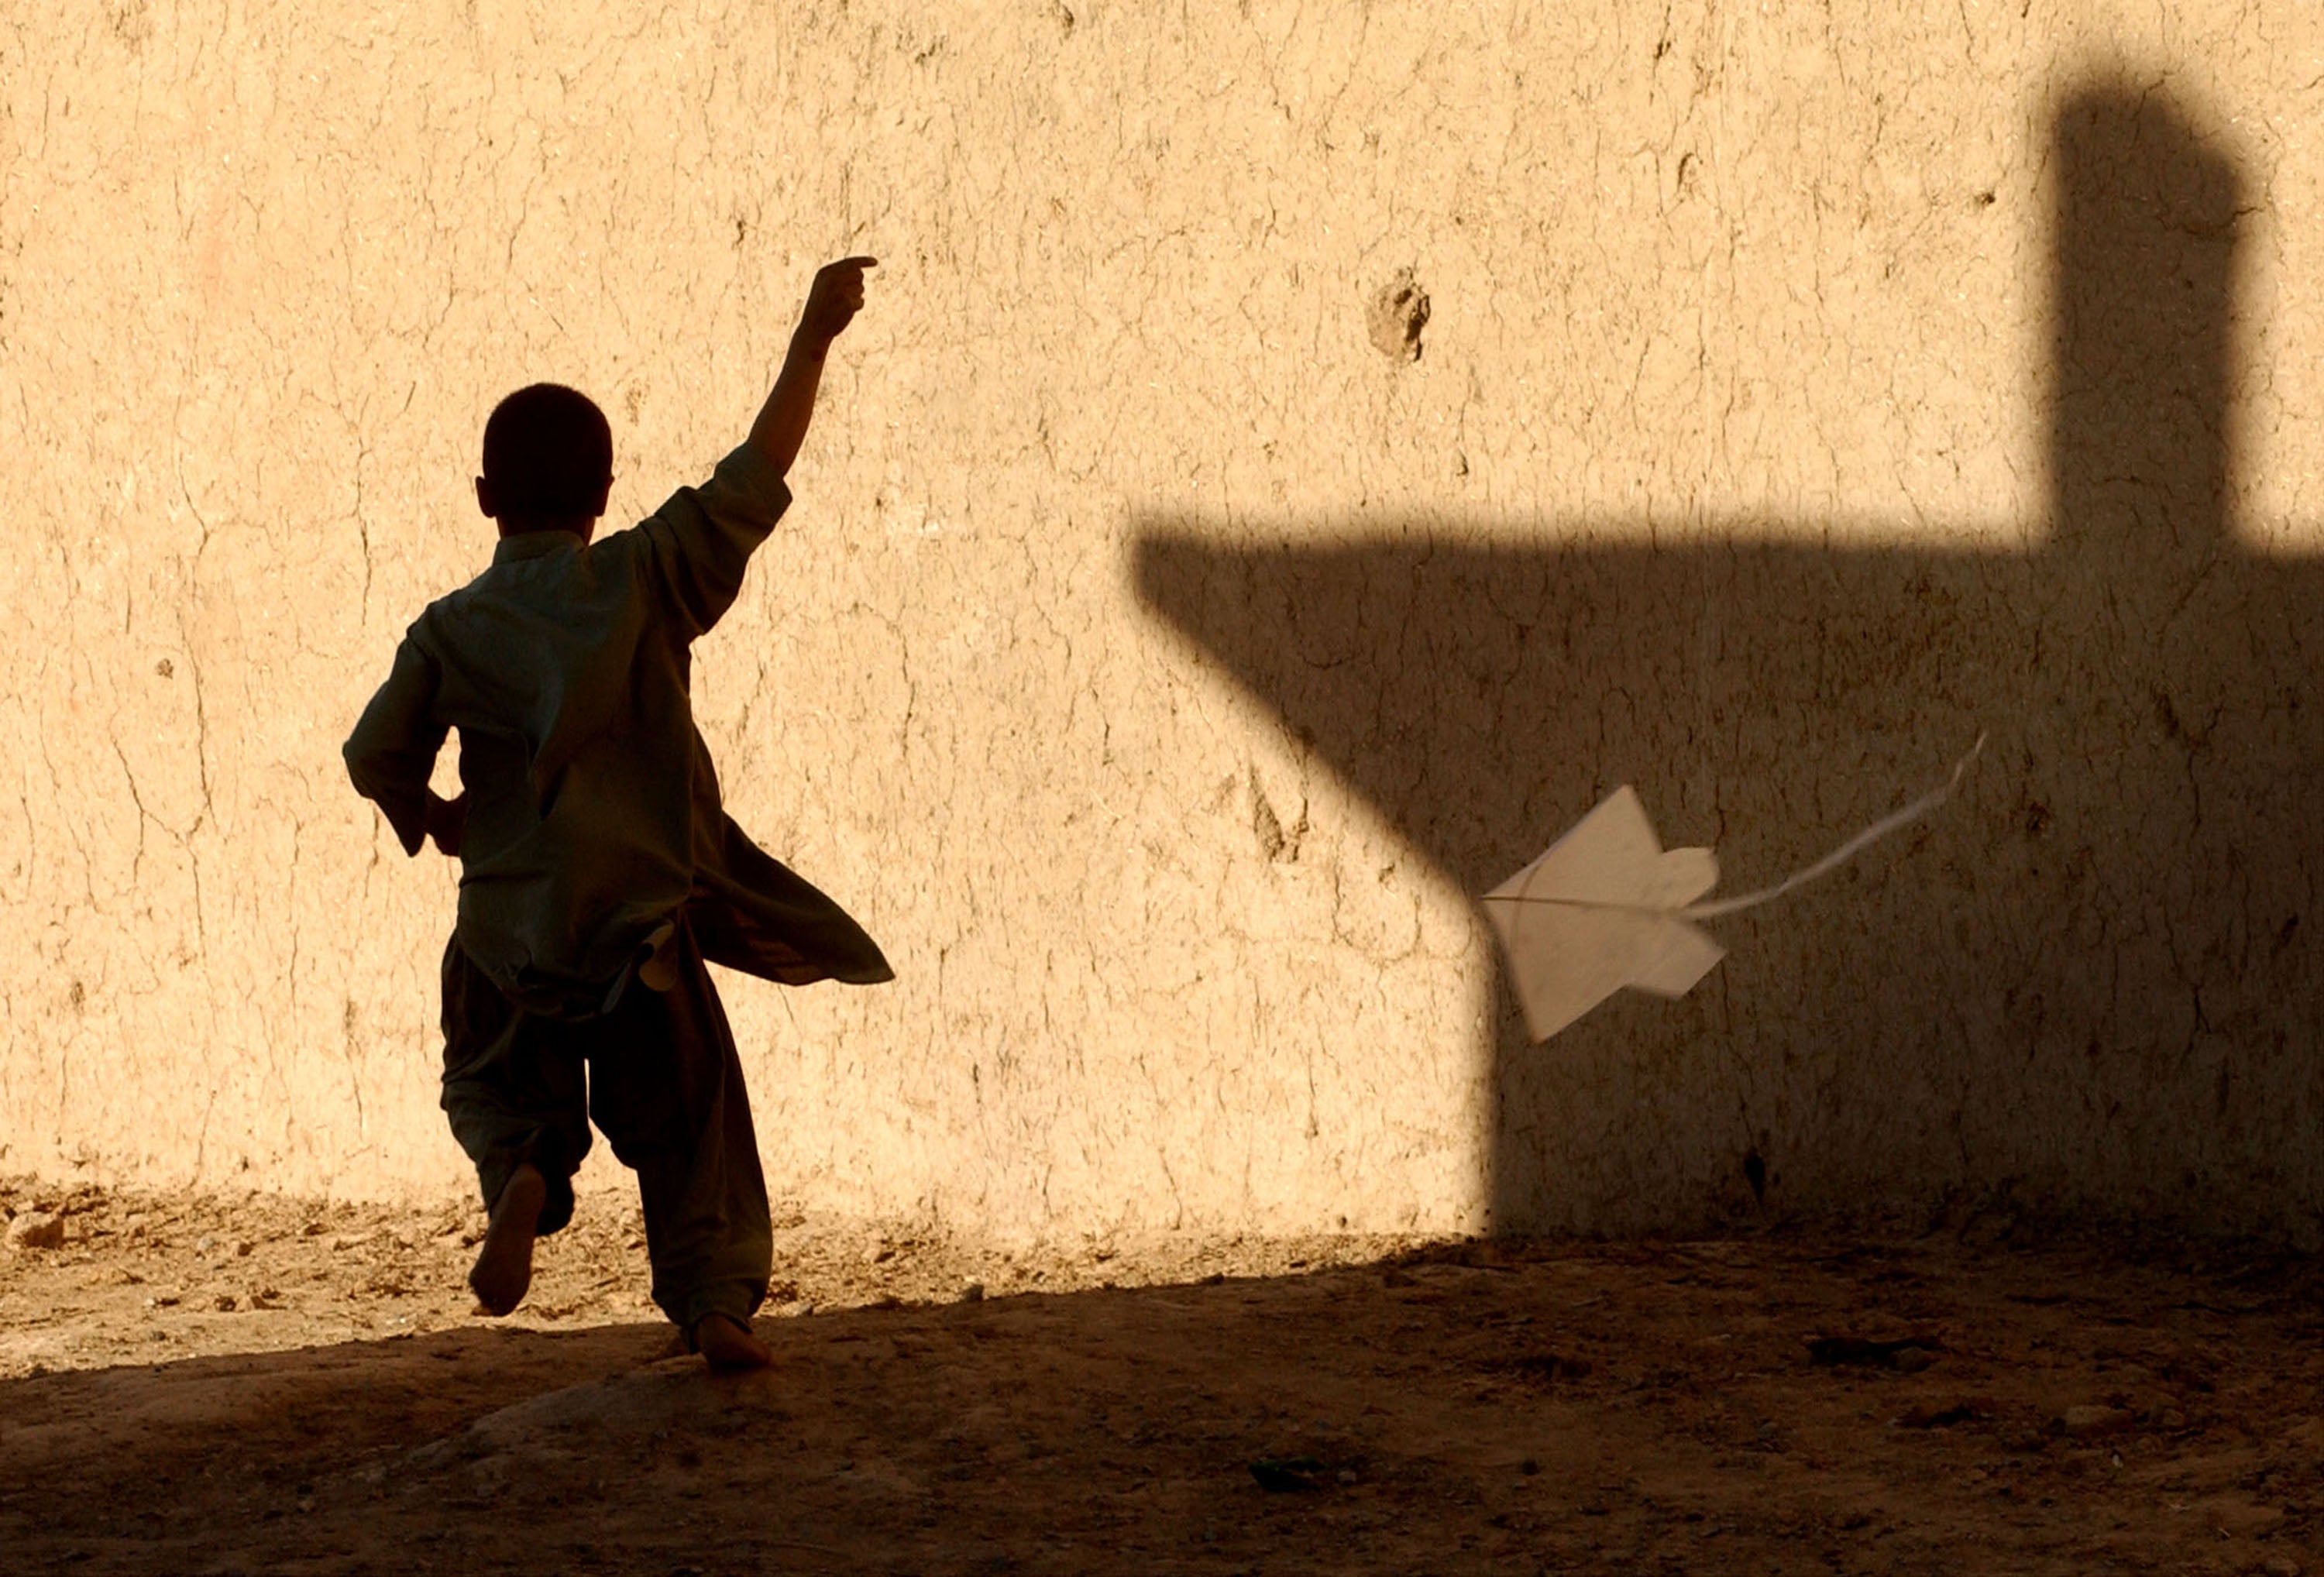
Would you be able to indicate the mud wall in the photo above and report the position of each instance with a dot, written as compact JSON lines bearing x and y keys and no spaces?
{"x":1174,"y":628}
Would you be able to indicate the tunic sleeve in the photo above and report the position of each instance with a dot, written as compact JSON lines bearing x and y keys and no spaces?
{"x":701,"y":541}
{"x":391,"y":754}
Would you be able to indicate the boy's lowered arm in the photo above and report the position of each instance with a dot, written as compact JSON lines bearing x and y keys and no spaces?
{"x":832,"y":303}
{"x":391,"y":755}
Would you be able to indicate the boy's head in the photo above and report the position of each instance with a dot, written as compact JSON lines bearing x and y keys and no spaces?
{"x":548,"y":461}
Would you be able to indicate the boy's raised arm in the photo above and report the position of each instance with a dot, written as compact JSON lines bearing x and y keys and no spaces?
{"x":832,"y":303}
{"x":704,"y":536}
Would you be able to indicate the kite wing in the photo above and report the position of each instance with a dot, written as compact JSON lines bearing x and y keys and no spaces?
{"x":1607,"y":906}
{"x":1603,"y":908}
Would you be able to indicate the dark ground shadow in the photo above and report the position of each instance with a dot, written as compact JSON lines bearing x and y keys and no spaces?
{"x":2091,"y":983}
{"x":1493,"y":1408}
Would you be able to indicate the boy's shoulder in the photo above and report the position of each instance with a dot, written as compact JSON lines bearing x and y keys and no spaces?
{"x":542,"y":593}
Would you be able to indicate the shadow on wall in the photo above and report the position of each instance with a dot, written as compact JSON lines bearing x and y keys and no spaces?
{"x":2091,"y":982}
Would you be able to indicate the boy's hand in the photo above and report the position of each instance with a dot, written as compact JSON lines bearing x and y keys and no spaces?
{"x":832,"y":303}
{"x":833,"y":300}
{"x":447,"y":819}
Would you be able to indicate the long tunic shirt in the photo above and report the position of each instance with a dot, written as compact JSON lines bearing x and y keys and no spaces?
{"x":594,"y":812}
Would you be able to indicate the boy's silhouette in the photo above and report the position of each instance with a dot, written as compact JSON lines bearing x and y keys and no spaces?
{"x":599,"y":868}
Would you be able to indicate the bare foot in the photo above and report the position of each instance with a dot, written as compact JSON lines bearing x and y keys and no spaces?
{"x":723,"y":1344}
{"x":504,"y":1268}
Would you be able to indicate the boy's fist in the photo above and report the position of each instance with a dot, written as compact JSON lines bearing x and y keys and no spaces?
{"x":448,"y":821}
{"x":835,"y":298}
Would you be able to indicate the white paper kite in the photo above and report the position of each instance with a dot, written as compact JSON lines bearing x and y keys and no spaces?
{"x":1607,"y":907}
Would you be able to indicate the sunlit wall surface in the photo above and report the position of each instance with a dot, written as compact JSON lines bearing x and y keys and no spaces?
{"x":1177,"y":625}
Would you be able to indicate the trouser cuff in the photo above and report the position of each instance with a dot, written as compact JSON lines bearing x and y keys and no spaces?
{"x":493,"y":1174}
{"x":737,"y":1300}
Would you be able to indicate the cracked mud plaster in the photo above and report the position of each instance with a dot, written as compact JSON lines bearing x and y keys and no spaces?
{"x":1704,"y":278}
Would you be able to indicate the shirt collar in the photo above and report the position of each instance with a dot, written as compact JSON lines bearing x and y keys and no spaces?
{"x":535,"y":545}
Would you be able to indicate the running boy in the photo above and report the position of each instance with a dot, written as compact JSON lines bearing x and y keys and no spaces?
{"x":598,"y":869}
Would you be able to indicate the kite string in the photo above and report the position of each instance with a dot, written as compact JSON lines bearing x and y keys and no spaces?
{"x":1845,"y":852}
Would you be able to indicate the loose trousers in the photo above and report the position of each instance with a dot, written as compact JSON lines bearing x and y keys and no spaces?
{"x":659,"y":1074}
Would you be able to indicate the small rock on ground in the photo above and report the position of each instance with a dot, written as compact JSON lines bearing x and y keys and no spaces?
{"x":2089,"y":1422}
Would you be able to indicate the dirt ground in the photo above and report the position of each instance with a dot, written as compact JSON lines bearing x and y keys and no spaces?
{"x":200,"y":1384}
